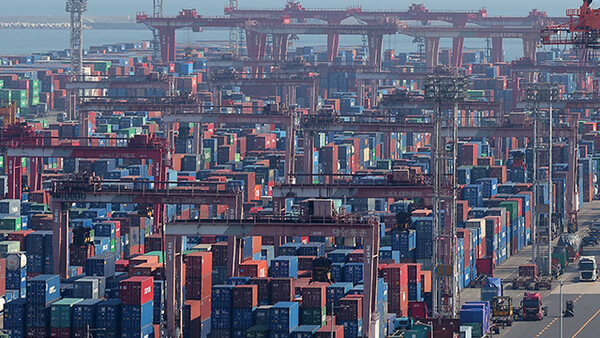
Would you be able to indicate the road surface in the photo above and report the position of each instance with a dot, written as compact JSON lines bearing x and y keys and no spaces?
{"x":586,"y":296}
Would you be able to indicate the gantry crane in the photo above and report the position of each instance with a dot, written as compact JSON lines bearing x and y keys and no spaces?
{"x":582,"y":31}
{"x":21,"y":140}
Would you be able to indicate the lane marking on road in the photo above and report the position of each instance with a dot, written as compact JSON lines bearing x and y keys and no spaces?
{"x":586,"y":323}
{"x":576,"y":299}
{"x":546,"y":328}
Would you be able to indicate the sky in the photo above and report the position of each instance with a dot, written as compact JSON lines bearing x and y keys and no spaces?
{"x":215,"y":7}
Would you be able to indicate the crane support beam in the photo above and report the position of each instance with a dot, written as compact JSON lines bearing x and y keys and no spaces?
{"x":328,"y":228}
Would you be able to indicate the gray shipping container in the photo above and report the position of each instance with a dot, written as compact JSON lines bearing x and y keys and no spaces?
{"x":86,"y":287}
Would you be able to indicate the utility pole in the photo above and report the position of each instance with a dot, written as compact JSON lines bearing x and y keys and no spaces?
{"x":440,"y":89}
{"x":157,"y":12}
{"x":561,"y":311}
{"x":536,"y":94}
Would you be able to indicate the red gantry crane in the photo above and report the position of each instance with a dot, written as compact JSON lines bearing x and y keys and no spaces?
{"x":582,"y":31}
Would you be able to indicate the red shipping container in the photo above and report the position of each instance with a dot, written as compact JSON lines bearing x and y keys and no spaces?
{"x":199,"y":263}
{"x":208,"y":239}
{"x":245,"y":296}
{"x":356,"y":256}
{"x":122,"y":265}
{"x":350,"y":308}
{"x":396,"y":275}
{"x":253,"y":268}
{"x":314,"y":295}
{"x":198,"y":287}
{"x":282,"y":290}
{"x":264,"y":287}
{"x":499,"y":172}
{"x":300,"y":283}
{"x":136,"y":290}
{"x":141,"y":259}
{"x":325,"y":331}
{"x":144,"y":269}
{"x":462,"y":213}
{"x":198,"y":309}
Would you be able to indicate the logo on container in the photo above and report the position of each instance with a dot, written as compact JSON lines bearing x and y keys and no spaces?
{"x":147,"y":290}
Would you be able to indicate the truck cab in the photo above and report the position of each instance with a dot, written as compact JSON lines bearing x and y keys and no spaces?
{"x":588,"y":269}
{"x":531,"y":306}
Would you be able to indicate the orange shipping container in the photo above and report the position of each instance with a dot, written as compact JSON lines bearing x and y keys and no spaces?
{"x":253,"y":269}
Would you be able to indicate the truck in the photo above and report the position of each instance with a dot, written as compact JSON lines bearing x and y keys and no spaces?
{"x":526,"y":277}
{"x":529,"y":279}
{"x":502,"y":310}
{"x":588,"y":270}
{"x":485,"y":268}
{"x":532,"y":307}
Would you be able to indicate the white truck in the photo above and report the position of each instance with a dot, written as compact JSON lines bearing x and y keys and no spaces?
{"x":588,"y":270}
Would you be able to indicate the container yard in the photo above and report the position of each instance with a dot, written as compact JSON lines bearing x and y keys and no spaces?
{"x":260,"y":188}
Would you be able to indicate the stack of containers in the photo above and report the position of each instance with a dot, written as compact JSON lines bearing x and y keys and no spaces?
{"x":198,"y":275}
{"x":42,"y":291}
{"x":137,"y":295}
{"x":245,"y":302}
{"x":405,"y":242}
{"x":314,"y":301}
{"x":479,"y":224}
{"x":16,"y":273}
{"x":335,"y":292}
{"x":61,"y":317}
{"x":198,"y":291}
{"x":424,"y":237}
{"x":85,"y":315}
{"x":489,"y":186}
{"x":478,"y":316}
{"x":473,"y":194}
{"x":15,"y":321}
{"x":222,"y":302}
{"x":39,"y":252}
{"x":396,"y":276}
{"x":284,"y":266}
{"x":414,"y":282}
{"x":284,"y":318}
{"x":109,"y":317}
{"x":350,"y":315}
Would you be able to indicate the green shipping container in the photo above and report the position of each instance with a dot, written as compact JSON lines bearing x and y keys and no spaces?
{"x":61,"y":312}
{"x":104,"y":128}
{"x":313,"y":316}
{"x":476,"y":332}
{"x":112,"y":245}
{"x":1,"y":83}
{"x":384,"y":164}
{"x":512,"y":207}
{"x":10,"y":223}
{"x":18,"y":94}
{"x":5,"y":95}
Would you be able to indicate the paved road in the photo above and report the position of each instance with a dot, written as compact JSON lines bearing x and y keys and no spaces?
{"x":586,"y":296}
